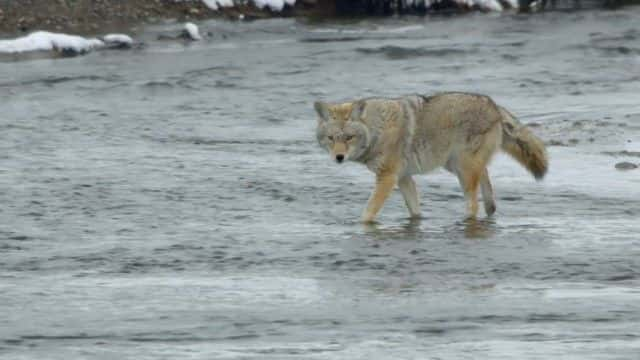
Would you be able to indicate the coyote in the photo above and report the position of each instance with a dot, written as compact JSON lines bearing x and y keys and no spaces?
{"x":400,"y":137}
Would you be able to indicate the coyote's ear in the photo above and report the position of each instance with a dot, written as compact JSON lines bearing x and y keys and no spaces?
{"x":357,"y":109}
{"x":322,"y":108}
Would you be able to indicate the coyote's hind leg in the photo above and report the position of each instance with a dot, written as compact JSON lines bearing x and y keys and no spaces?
{"x":410,"y":194}
{"x":488,"y":198}
{"x":469,"y":178}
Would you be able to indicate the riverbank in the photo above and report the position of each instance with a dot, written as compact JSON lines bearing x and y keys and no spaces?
{"x":102,"y":16}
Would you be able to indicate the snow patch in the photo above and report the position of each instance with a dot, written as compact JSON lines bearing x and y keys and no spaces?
{"x":118,"y":40}
{"x":513,"y":3}
{"x":491,"y":5}
{"x":47,"y":41}
{"x":273,"y":5}
{"x":192,"y":31}
{"x":216,"y":4}
{"x":487,"y":5}
{"x":278,"y":5}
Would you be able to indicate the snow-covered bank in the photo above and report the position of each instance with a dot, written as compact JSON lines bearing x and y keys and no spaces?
{"x":485,"y":5}
{"x":62,"y":43}
{"x":118,"y":40}
{"x":273,"y":5}
{"x":46,"y":41}
{"x":216,"y":4}
{"x":89,"y":17}
{"x":279,"y":5}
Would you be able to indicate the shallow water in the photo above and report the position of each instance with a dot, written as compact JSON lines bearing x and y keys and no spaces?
{"x":171,"y":201}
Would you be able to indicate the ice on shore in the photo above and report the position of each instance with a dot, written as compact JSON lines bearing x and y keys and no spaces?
{"x":118,"y":40}
{"x":490,"y":5}
{"x":216,"y":4}
{"x":278,"y":5}
{"x":274,"y":5}
{"x":487,"y":5}
{"x":513,"y":3}
{"x":47,"y":41}
{"x":63,"y":43}
{"x":192,"y":30}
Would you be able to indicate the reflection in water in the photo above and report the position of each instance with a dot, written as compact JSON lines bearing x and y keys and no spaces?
{"x":412,"y":229}
{"x":479,"y":228}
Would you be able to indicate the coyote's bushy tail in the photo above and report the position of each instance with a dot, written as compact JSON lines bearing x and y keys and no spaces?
{"x":519,"y":142}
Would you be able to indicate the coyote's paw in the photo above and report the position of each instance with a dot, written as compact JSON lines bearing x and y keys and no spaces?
{"x":368,"y":219}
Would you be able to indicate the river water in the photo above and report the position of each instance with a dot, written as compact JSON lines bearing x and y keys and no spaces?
{"x":171,"y":202}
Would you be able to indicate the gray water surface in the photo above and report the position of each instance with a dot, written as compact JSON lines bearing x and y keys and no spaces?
{"x":171,"y":202}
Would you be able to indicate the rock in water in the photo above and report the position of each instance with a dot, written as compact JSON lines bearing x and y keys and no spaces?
{"x":191,"y":31}
{"x":118,"y":41}
{"x":625,"y":165}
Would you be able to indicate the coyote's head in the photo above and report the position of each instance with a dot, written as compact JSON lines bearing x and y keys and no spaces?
{"x":341,"y":130}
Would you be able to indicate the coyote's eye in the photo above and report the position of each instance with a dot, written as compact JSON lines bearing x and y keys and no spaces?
{"x":330,"y":137}
{"x":348,"y":137}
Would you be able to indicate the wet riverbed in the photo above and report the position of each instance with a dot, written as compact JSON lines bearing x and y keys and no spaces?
{"x":170,"y":201}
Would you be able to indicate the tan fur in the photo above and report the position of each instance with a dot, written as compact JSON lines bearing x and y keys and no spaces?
{"x":398,"y":138}
{"x":487,"y":193}
{"x":339,"y":147}
{"x":341,"y":111}
{"x":524,"y":146}
{"x":385,"y":182}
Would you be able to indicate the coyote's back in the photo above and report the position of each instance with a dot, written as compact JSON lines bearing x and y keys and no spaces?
{"x":454,"y":125}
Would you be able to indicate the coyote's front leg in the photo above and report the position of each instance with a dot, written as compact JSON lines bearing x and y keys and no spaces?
{"x":385,"y":181}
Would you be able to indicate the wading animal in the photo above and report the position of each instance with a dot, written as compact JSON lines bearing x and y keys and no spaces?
{"x":397,"y":138}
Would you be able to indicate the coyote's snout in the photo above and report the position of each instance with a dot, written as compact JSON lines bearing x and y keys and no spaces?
{"x":398,"y":138}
